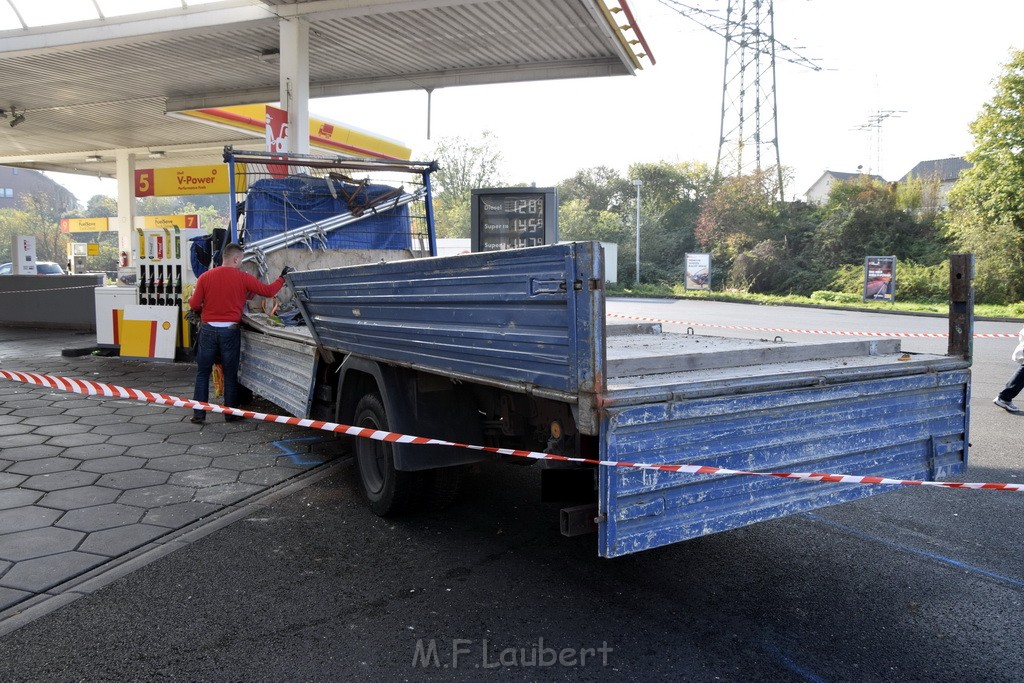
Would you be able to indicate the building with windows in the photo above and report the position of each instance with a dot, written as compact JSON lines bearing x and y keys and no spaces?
{"x":18,"y":183}
{"x":818,"y":192}
{"x":940,"y":175}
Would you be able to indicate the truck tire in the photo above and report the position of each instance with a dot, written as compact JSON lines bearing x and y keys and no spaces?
{"x":388,"y":491}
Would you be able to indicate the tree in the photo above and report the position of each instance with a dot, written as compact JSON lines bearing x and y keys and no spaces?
{"x":598,"y":203}
{"x":13,"y":223}
{"x":998,"y":253}
{"x":864,"y":217}
{"x":107,"y":259}
{"x":920,"y":196}
{"x":591,"y":206}
{"x":671,"y":199}
{"x":157,"y":206}
{"x":600,"y":188}
{"x":463,"y":165}
{"x":579,"y":223}
{"x":994,"y":186}
{"x":45,"y":211}
{"x":763,"y":269}
{"x":987,"y":204}
{"x":740,"y":213}
{"x":210,"y":215}
{"x":101,"y":206}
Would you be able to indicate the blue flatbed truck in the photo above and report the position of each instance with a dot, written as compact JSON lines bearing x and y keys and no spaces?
{"x":511,"y":349}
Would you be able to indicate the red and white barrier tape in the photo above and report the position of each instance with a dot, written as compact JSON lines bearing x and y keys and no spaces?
{"x":89,"y":388}
{"x":48,"y":289}
{"x":979,"y":335}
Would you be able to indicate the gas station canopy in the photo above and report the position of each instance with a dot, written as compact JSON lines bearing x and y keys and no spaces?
{"x":85,"y":78}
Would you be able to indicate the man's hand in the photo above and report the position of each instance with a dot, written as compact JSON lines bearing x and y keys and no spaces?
{"x":286,"y":270}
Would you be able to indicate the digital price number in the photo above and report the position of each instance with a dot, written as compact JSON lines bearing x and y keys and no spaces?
{"x":512,"y":221}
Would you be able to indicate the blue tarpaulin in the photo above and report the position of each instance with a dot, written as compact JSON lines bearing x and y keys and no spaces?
{"x":276,"y":205}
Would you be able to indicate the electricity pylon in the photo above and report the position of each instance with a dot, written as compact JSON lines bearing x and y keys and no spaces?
{"x":749,"y":129}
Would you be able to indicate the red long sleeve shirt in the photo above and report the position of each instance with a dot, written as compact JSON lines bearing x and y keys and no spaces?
{"x":221,"y":293}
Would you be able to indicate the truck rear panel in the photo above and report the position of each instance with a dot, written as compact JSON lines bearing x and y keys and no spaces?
{"x":909,"y":423}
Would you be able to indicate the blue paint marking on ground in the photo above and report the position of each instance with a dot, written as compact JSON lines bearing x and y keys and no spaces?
{"x":297,"y":458}
{"x":790,"y":665}
{"x":917,"y":551}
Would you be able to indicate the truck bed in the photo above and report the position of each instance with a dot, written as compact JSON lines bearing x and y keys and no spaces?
{"x":533,"y":321}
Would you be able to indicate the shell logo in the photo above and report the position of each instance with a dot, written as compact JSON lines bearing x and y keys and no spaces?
{"x":166,"y":325}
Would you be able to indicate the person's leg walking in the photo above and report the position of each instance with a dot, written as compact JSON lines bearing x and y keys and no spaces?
{"x":1010,"y":391}
{"x":206,"y":352}
{"x":231,"y":350}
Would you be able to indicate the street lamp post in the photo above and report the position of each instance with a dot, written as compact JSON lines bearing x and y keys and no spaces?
{"x":638,"y":183}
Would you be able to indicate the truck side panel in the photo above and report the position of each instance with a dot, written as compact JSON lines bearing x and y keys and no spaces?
{"x":280,"y":370}
{"x":910,"y":427}
{"x":525,"y":318}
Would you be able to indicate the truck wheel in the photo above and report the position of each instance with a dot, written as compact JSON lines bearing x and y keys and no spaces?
{"x":388,"y":491}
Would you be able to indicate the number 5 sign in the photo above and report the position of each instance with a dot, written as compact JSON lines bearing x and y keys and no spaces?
{"x":144,"y":183}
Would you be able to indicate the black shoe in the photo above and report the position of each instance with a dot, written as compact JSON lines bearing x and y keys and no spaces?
{"x":198,"y":419}
{"x":233,"y":418}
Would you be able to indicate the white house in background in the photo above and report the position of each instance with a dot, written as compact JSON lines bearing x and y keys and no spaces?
{"x":945,"y":171}
{"x":818,"y":192}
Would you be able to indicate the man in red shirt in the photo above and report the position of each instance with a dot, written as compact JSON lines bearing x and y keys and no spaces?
{"x":219,"y":297}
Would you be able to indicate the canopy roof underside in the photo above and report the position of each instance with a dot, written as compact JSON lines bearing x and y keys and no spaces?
{"x":106,"y":81}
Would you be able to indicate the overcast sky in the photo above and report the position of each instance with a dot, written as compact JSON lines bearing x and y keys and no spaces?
{"x":934,"y":61}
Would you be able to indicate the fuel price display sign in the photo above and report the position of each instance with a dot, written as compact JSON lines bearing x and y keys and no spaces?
{"x":514,"y":218}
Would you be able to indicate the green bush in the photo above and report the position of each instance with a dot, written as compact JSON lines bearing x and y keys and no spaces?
{"x":849,"y":279}
{"x":927,"y":284}
{"x":914,"y":282}
{"x":835,"y":297}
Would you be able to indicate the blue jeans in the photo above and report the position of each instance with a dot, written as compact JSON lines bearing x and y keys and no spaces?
{"x":221,"y":344}
{"x":1014,"y":386}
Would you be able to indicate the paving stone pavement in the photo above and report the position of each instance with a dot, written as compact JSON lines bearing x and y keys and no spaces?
{"x":86,"y":480}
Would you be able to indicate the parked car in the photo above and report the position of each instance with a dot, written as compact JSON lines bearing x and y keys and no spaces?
{"x":42,"y":268}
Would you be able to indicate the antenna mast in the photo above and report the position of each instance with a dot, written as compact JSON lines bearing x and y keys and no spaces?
{"x":874,"y":126}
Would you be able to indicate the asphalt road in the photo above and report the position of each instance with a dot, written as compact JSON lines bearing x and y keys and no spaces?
{"x":913,"y":585}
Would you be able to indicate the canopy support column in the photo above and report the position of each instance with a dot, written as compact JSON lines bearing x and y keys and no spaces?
{"x":125,"y":171}
{"x":294,"y":47}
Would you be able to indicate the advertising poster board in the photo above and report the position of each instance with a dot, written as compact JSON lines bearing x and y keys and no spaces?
{"x":880,"y":278}
{"x":698,"y":272}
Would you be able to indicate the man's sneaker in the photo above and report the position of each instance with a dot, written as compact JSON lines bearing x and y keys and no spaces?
{"x":198,"y":419}
{"x":1008,"y":406}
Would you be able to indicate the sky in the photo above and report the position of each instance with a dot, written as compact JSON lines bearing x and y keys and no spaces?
{"x":933,"y":62}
